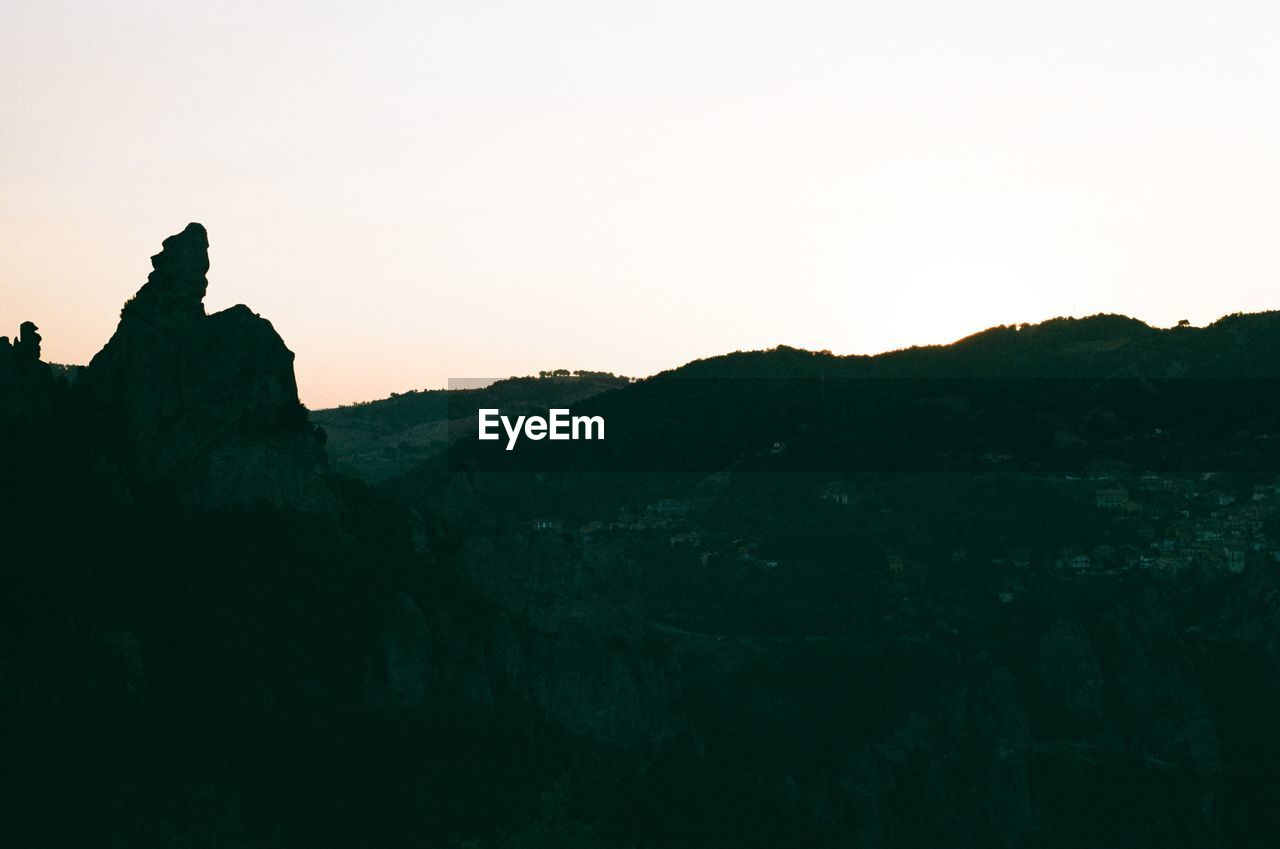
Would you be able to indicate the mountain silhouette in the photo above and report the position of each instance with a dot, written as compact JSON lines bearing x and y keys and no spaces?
{"x":183,"y":404}
{"x":1104,"y":392}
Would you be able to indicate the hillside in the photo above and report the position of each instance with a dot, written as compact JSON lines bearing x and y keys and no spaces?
{"x":1087,"y":395}
{"x":379,"y":439}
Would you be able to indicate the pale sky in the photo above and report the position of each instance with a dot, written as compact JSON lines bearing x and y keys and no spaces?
{"x":418,"y":191}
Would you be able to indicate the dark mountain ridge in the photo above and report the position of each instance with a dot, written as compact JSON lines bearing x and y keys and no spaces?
{"x":1099,"y":346}
{"x":1074,"y":363}
{"x":1066,"y":395}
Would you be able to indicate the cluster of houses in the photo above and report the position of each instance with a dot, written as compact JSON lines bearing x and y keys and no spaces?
{"x":663,"y":514}
{"x":1162,"y":524}
{"x":669,"y":515}
{"x":1182,"y":523}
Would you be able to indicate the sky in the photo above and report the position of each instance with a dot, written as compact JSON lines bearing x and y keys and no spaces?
{"x":413,"y":192}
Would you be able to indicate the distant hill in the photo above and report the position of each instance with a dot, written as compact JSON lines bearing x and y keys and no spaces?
{"x":1100,"y":393}
{"x":1099,"y":346}
{"x":380,"y":439}
{"x":1037,"y":392}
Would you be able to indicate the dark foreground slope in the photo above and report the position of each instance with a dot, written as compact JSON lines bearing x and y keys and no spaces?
{"x":207,"y":638}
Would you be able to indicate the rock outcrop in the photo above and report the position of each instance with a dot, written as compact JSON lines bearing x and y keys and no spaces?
{"x":203,"y":408}
{"x":27,"y":346}
{"x":27,"y":387}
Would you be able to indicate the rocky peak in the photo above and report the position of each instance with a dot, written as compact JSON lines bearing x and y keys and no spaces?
{"x":27,"y":345}
{"x":27,"y":392}
{"x":203,"y":407}
{"x":174,"y":291}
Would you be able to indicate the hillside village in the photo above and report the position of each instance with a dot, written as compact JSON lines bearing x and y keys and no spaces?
{"x":1161,"y":525}
{"x":1186,"y":523}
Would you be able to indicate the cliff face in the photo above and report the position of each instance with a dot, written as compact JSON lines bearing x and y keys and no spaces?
{"x":202,"y":407}
{"x":572,"y":642}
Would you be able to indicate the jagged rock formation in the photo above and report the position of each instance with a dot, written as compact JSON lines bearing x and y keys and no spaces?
{"x":26,"y":384}
{"x":23,"y":353}
{"x":27,"y":346}
{"x":203,"y":407}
